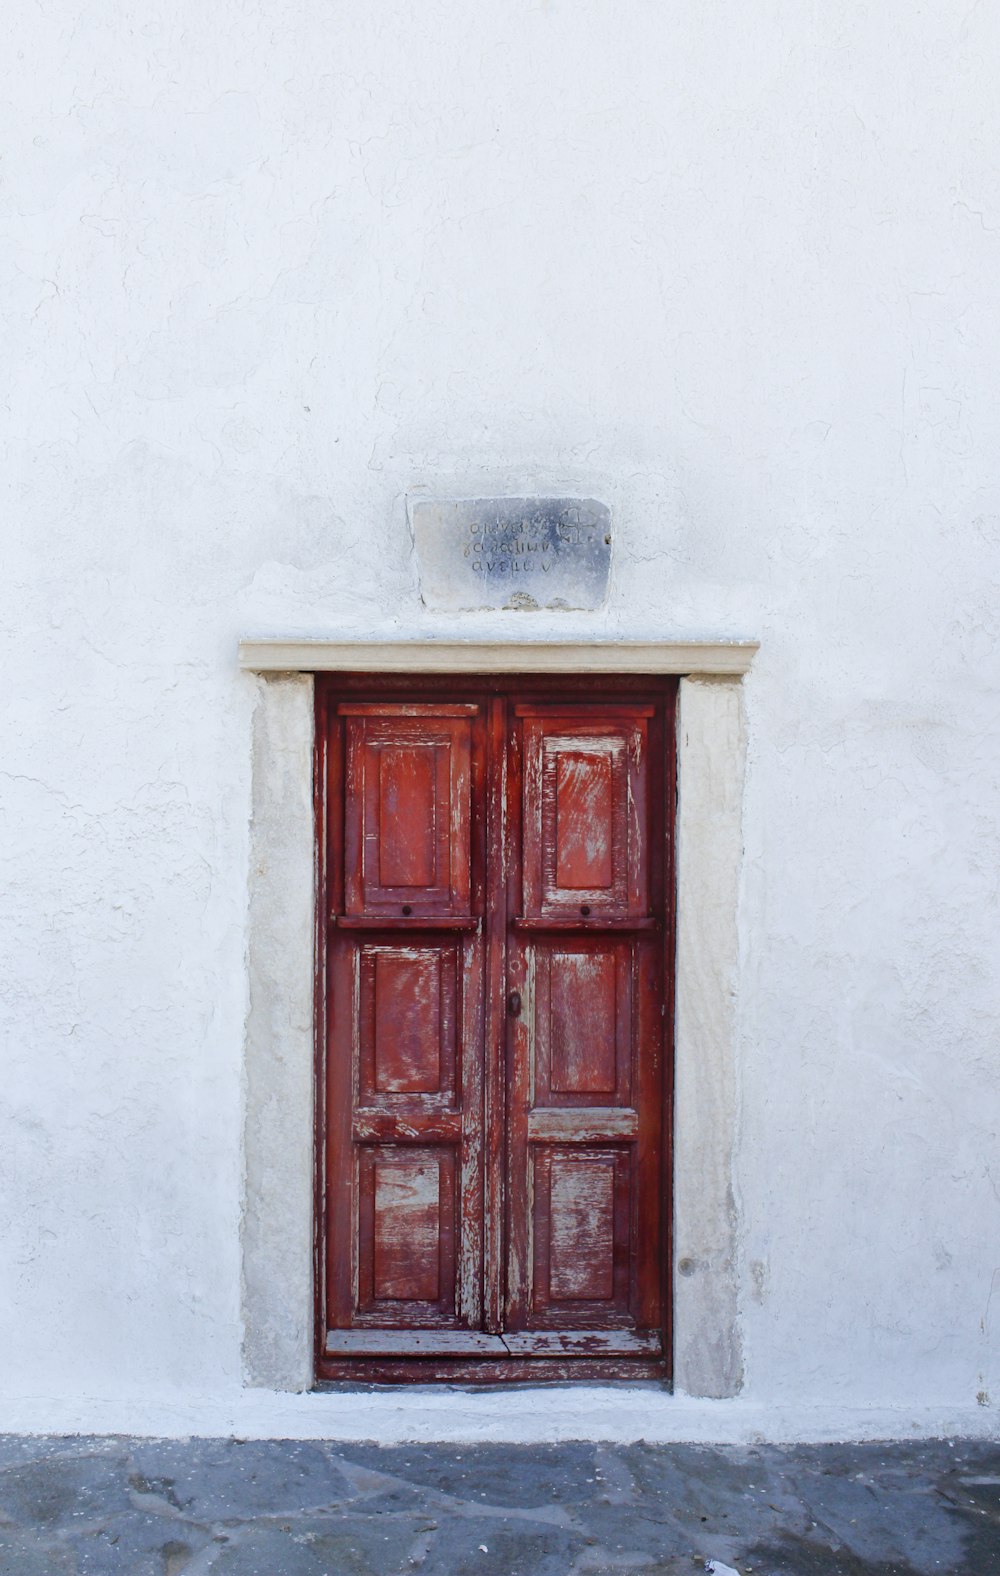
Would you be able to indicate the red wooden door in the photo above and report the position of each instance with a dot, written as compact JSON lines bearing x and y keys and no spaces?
{"x":585,"y":1113}
{"x":492,"y":1192}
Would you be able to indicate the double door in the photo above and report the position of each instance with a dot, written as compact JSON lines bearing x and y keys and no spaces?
{"x":493,"y":1156}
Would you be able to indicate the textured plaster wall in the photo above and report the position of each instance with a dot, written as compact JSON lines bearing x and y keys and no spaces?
{"x":732,"y":267}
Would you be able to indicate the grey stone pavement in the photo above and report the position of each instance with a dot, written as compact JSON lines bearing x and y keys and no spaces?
{"x":231,"y":1508}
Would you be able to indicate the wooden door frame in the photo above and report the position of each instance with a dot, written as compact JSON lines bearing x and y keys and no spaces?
{"x":276,"y":1236}
{"x":497,"y":693}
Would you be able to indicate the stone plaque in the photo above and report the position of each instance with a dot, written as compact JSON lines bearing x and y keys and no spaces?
{"x":520,"y":553}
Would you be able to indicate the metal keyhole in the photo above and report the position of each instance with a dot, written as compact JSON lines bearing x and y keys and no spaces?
{"x":514,"y":1003}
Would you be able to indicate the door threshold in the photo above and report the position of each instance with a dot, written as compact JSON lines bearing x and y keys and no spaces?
{"x":474,"y":1343}
{"x":365,"y":1372}
{"x":661,"y":1385}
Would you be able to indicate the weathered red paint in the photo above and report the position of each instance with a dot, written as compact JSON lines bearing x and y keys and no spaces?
{"x":492,"y":986}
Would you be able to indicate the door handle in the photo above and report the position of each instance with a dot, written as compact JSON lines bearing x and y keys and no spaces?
{"x":514,"y":1003}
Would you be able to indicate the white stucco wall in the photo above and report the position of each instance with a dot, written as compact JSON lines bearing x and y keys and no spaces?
{"x":731,"y":267}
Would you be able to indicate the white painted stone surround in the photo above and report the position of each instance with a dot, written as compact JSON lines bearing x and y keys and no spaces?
{"x":277,"y":1233}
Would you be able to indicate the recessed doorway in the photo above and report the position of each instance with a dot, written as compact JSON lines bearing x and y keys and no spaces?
{"x":494,"y":996}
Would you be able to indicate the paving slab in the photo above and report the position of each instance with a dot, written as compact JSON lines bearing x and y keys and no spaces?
{"x":225,"y":1507}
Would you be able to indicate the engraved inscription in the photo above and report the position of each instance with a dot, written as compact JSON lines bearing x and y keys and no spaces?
{"x":532,"y":544}
{"x":518,"y":553}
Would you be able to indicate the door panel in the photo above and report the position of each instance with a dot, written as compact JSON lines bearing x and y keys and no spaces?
{"x":407,"y":814}
{"x":407,"y":1024}
{"x":577,"y":1226}
{"x":582,"y":1003}
{"x":584,"y":812}
{"x":406,"y":1233}
{"x":494,"y":1086}
{"x":582,"y":1210}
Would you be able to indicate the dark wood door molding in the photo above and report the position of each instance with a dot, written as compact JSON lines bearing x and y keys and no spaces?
{"x":493,"y":993}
